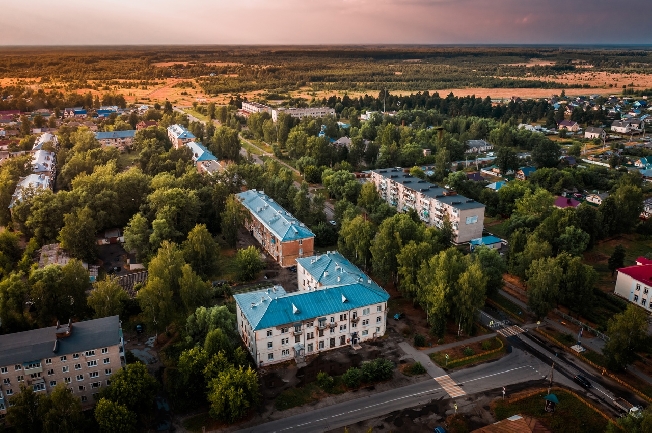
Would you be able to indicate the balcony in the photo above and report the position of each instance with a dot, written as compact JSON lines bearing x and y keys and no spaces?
{"x":332,"y":325}
{"x":297,"y":331}
{"x":355,"y":319}
{"x":33,"y":370}
{"x":322,"y":325}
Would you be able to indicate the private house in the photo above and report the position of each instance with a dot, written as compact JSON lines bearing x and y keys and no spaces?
{"x":635,"y":282}
{"x":488,"y":241}
{"x":475,"y":176}
{"x":427,"y":152}
{"x":647,"y":208}
{"x":433,"y":203}
{"x":568,"y":125}
{"x":143,"y":124}
{"x":597,"y":198}
{"x":524,"y":172}
{"x":642,"y":162}
{"x":646,"y":173}
{"x":76,"y":112}
{"x":347,"y":309}
{"x":570,"y":160}
{"x":592,"y":133}
{"x":43,"y":162}
{"x":119,"y":139}
{"x":477,"y":146}
{"x":30,"y":182}
{"x":279,"y":233}
{"x":621,"y":126}
{"x":564,"y":202}
{"x":300,"y":113}
{"x":81,"y":355}
{"x":46,"y":137}
{"x":342,"y":141}
{"x":255,"y":107}
{"x":179,"y":136}
{"x":496,"y":185}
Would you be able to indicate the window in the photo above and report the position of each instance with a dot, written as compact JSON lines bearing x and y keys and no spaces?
{"x":96,"y":384}
{"x":365,"y":332}
{"x":108,"y":382}
{"x":354,"y":324}
{"x":297,"y":328}
{"x":20,"y":378}
{"x":342,"y":316}
{"x":377,"y":329}
{"x":65,"y":369}
{"x":635,"y":298}
{"x":6,"y":381}
{"x":638,"y":287}
{"x":80,"y":377}
{"x":107,"y":371}
{"x":355,"y":314}
{"x":269,"y":332}
{"x":645,"y":291}
{"x":285,"y":341}
{"x":342,"y":328}
{"x":53,"y":383}
{"x":77,"y":366}
{"x":297,"y":339}
{"x":321,"y":344}
{"x":310,"y":324}
{"x":90,"y":353}
{"x":269,"y":345}
{"x":365,"y":322}
{"x":332,"y":319}
{"x":310,"y":347}
{"x":3,"y":370}
{"x":84,"y":399}
{"x":35,"y":375}
{"x":48,"y":361}
{"x":285,"y":352}
{"x":39,"y":387}
{"x":284,"y":330}
{"x":332,"y":330}
{"x":64,"y":358}
{"x":379,"y":319}
{"x":107,"y":360}
{"x":75,"y":356}
{"x":67,"y":380}
{"x":310,"y":335}
{"x":270,"y":356}
{"x":51,"y":372}
{"x":17,"y":367}
{"x":32,"y":365}
{"x":365,"y":312}
{"x":81,"y":387}
{"x":379,"y":308}
{"x":472,"y":219}
{"x":92,"y":363}
{"x":300,"y":241}
{"x":9,"y":391}
{"x":94,"y":375}
{"x":105,"y":351}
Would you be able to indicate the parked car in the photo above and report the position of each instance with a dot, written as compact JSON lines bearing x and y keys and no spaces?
{"x":333,"y":223}
{"x":583,"y":381}
{"x":439,"y":430}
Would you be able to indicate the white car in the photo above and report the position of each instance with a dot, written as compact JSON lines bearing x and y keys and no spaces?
{"x":333,"y":223}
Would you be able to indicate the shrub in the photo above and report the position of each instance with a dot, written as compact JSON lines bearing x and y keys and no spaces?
{"x":352,"y":377}
{"x":377,"y":370}
{"x":468,"y":351}
{"x":417,"y":368}
{"x":325,"y":381}
{"x":486,"y":345}
{"x":419,"y":340}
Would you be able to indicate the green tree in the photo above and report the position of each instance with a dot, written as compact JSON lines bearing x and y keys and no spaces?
{"x":13,"y":294}
{"x":536,"y":204}
{"x":543,"y":280}
{"x":574,"y":240}
{"x":107,"y":298}
{"x":546,"y":154}
{"x":201,"y":251}
{"x":232,"y":218}
{"x":506,"y":159}
{"x":23,"y":414}
{"x":226,"y":143}
{"x":113,"y":417}
{"x":137,"y":235}
{"x":217,"y":341}
{"x":392,"y":234}
{"x":617,"y":259}
{"x":194,"y":291}
{"x":576,"y":290}
{"x":629,"y":202}
{"x":78,"y":235}
{"x":355,"y":239}
{"x":249,"y":263}
{"x":59,"y":292}
{"x":204,"y":320}
{"x":410,"y":259}
{"x":493,"y":267}
{"x":61,"y":411}
{"x":627,"y":333}
{"x":155,"y":299}
{"x":132,"y":387}
{"x":233,"y":393}
{"x":469,"y":296}
{"x":166,"y":266}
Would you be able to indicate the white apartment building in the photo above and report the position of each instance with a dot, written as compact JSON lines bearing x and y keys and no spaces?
{"x":255,"y":107}
{"x":432,"y":203}
{"x":300,"y":113}
{"x":43,"y":162}
{"x":32,"y":182}
{"x":179,"y":136}
{"x":82,"y":355}
{"x":344,"y":307}
{"x":46,"y":137}
{"x":634,"y":283}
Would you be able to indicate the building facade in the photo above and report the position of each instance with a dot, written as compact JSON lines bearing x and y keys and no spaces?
{"x":300,"y":113}
{"x":119,"y":139}
{"x":280,"y":234}
{"x":82,"y":355}
{"x":255,"y":107}
{"x":433,"y":203}
{"x":592,"y":132}
{"x":343,"y":307}
{"x":634,"y":283}
{"x":179,"y":136}
{"x":33,"y":181}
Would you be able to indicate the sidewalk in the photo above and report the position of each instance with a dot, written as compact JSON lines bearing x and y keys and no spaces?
{"x":419,"y":356}
{"x":459,"y":343}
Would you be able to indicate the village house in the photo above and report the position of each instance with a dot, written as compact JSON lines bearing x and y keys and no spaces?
{"x":81,"y":355}
{"x":143,"y":124}
{"x":524,"y":172}
{"x":597,"y":198}
{"x":496,"y":185}
{"x":635,"y":282}
{"x":623,"y":126}
{"x":647,"y":208}
{"x":76,"y":112}
{"x":119,"y":139}
{"x":642,"y":162}
{"x":592,"y":133}
{"x":432,"y":203}
{"x":568,"y":125}
{"x":279,"y":233}
{"x":204,"y":160}
{"x":179,"y":136}
{"x":475,"y":176}
{"x":492,"y":242}
{"x":342,"y":141}
{"x":477,"y":146}
{"x":337,"y":305}
{"x":564,"y":202}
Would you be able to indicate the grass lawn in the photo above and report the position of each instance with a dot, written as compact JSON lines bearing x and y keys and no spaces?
{"x":227,"y":266}
{"x":266,"y":147}
{"x":571,"y":414}
{"x":293,"y":397}
{"x":508,"y":306}
{"x":127,"y":159}
{"x":251,"y":149}
{"x":197,"y":114}
{"x":497,"y":226}
{"x":470,"y":354}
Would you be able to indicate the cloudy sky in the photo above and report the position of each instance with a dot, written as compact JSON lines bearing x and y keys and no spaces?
{"x":118,"y":22}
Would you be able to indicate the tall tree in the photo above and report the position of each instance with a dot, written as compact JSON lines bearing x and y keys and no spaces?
{"x":155,"y":299}
{"x":392,"y":234}
{"x":506,"y":159}
{"x":627,"y":333}
{"x":249,"y":263}
{"x":233,"y":218}
{"x":493,"y":267}
{"x":23,"y":414}
{"x":59,"y":292}
{"x":78,"y":235}
{"x":201,"y":251}
{"x":137,"y":235}
{"x":132,"y":387}
{"x":233,"y":393}
{"x":166,"y":266}
{"x":194,"y":291}
{"x":355,"y":239}
{"x":617,"y":259}
{"x":13,"y":294}
{"x":107,"y":298}
{"x":61,"y":411}
{"x":113,"y":417}
{"x":543,"y":281}
{"x":469,"y":296}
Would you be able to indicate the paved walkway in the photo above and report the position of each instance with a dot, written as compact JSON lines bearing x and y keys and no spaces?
{"x":419,"y":356}
{"x":459,"y":343}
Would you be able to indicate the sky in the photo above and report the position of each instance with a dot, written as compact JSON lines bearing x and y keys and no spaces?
{"x":306,"y":22}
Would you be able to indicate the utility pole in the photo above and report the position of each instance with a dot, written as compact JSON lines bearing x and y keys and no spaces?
{"x":552,"y":372}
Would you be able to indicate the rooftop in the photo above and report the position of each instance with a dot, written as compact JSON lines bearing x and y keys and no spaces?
{"x":180,"y":132}
{"x":564,"y":202}
{"x":333,"y":269}
{"x":115,"y":134}
{"x":37,"y":181}
{"x":199,"y":152}
{"x":44,"y":138}
{"x":38,"y":344}
{"x":278,"y":221}
{"x":42,"y":161}
{"x":487,"y":240}
{"x":274,"y":307}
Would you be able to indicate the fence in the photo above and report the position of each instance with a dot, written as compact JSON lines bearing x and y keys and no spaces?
{"x":584,"y":325}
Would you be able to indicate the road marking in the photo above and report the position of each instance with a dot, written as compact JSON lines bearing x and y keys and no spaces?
{"x":450,"y":386}
{"x":496,"y":374}
{"x":511,"y":330}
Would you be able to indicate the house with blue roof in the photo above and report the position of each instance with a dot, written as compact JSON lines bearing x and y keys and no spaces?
{"x":119,"y":139}
{"x":488,"y":241}
{"x":524,"y":172}
{"x":204,"y":160}
{"x":279,"y":233}
{"x":78,"y":112}
{"x":278,"y":326}
{"x":496,"y":185}
{"x":179,"y":136}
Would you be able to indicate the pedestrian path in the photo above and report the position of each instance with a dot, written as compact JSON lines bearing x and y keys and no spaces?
{"x":510,"y":330}
{"x":449,"y":385}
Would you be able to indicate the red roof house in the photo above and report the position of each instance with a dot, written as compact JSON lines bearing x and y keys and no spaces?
{"x":634,"y":283}
{"x":564,"y":202}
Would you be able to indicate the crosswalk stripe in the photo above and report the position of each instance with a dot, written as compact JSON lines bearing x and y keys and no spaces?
{"x":449,"y":385}
{"x":511,"y":330}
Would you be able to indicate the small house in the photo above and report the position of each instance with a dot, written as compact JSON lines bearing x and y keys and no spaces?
{"x":524,"y":172}
{"x":492,"y":242}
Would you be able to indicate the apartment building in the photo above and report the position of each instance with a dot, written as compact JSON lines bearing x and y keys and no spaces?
{"x":204,"y":160}
{"x":31,"y":182}
{"x":119,"y":139}
{"x":300,"y":113}
{"x":179,"y":136}
{"x":433,"y":203}
{"x":46,"y":137}
{"x":280,"y":234}
{"x":43,"y":162}
{"x":81,"y":355}
{"x":277,"y":326}
{"x":634,"y":283}
{"x":255,"y":107}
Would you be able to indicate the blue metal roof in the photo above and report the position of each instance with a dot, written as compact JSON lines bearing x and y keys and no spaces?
{"x":268,"y":308}
{"x":278,"y":221}
{"x":487,"y":240}
{"x":527,"y":171}
{"x":199,"y":152}
{"x":115,"y":134}
{"x":333,"y":269}
{"x":180,"y":132}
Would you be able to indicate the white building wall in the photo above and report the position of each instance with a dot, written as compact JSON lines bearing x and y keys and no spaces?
{"x":634,"y":291}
